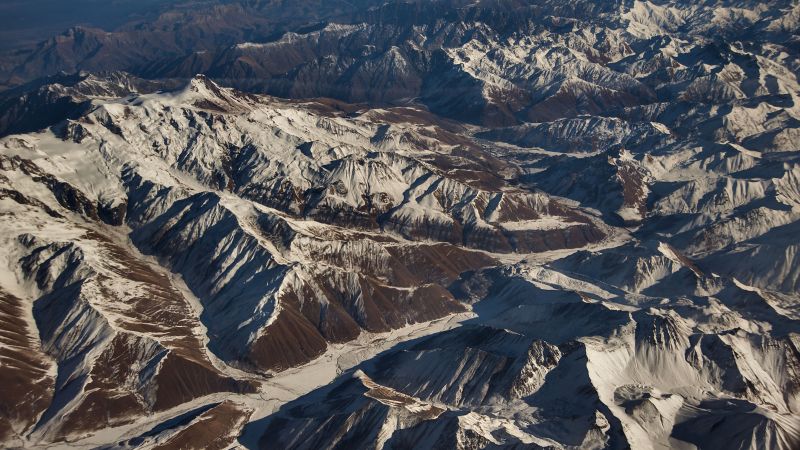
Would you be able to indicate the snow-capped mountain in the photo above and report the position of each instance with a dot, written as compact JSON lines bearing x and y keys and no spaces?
{"x":395,"y":225}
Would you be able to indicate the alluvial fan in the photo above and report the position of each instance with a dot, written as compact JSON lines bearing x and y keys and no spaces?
{"x":404,"y":225}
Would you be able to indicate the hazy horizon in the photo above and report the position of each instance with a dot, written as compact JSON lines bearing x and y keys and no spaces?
{"x":24,"y":23}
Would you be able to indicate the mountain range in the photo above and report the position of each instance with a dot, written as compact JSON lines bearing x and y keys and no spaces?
{"x":492,"y":224}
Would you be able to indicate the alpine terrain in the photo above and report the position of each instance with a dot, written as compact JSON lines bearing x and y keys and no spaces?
{"x":401,"y":224}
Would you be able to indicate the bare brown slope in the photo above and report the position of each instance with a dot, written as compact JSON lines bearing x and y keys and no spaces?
{"x":25,"y":382}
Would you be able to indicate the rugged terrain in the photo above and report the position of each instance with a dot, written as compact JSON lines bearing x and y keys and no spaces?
{"x":434,"y":224}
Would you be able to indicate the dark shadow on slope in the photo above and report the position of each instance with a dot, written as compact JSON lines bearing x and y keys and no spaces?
{"x":171,"y":423}
{"x":500,"y":352}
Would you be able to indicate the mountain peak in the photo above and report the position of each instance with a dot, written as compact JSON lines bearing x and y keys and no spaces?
{"x":204,"y":93}
{"x":204,"y":86}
